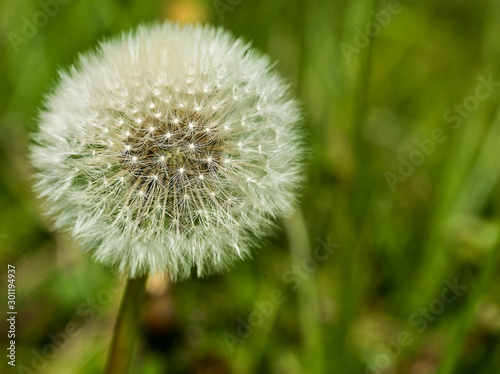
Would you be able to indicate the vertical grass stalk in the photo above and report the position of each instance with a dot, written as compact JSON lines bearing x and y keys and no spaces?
{"x":300,"y":248}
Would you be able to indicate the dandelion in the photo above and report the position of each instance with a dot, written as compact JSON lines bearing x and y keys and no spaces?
{"x":168,"y":149}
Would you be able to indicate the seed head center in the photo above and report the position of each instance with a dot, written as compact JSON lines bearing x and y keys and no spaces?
{"x":174,"y":152}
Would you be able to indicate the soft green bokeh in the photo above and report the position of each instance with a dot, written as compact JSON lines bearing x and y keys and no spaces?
{"x":393,"y":249}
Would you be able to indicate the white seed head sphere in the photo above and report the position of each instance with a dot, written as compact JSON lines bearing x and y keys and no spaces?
{"x":168,"y":149}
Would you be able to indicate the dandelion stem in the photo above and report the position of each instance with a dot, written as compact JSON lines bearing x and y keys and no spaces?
{"x":125,"y":332}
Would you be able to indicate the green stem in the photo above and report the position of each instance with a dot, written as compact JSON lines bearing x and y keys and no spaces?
{"x":352,"y":289}
{"x":307,"y":293}
{"x":125,"y":332}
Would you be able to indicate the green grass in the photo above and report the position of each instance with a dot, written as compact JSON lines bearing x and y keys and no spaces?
{"x":361,"y":114}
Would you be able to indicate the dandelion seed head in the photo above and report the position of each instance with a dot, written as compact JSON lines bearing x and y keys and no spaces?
{"x":180,"y":190}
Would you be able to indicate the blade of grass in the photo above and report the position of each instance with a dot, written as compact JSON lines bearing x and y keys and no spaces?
{"x":300,"y":249}
{"x":457,"y":181}
{"x":351,"y":289}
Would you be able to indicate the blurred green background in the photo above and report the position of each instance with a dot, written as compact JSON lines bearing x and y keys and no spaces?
{"x":401,"y":105}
